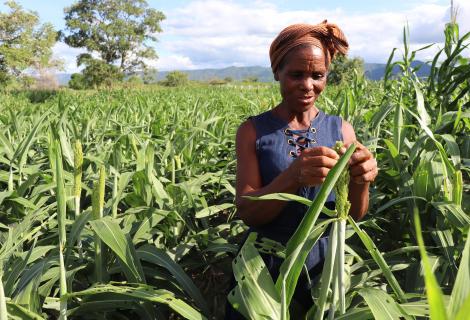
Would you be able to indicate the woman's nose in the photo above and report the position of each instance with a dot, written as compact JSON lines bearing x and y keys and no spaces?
{"x":307,"y":84}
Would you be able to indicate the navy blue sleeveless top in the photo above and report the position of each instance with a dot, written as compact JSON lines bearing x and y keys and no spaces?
{"x":276,"y":149}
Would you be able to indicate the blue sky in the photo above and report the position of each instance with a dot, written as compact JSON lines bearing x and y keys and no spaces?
{"x":217,"y":33}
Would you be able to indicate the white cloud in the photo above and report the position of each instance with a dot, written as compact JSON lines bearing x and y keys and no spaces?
{"x":213,"y":33}
{"x":216,"y":33}
{"x":68,"y":55}
{"x":172,"y":62}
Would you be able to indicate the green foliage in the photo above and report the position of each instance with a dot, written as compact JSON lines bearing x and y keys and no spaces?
{"x":96,"y":73}
{"x":77,"y":81}
{"x":24,"y":42}
{"x":216,"y":82}
{"x":135,"y":79}
{"x":251,"y":79}
{"x":161,"y":179}
{"x":342,"y":69}
{"x":175,"y":79}
{"x":120,"y":31}
{"x":166,"y":206}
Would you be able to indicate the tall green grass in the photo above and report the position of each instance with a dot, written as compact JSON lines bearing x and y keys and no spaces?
{"x":155,"y":236}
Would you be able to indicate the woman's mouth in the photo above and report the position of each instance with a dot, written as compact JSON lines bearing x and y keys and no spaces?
{"x":306,"y":99}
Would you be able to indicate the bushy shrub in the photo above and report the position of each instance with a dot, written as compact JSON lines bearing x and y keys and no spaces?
{"x":97,"y":73}
{"x":175,"y":79}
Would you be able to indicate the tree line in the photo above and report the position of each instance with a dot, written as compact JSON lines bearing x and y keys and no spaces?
{"x":117,"y":35}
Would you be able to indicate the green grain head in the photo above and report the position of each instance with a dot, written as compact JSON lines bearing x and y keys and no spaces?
{"x":342,"y":189}
{"x":98,"y":194}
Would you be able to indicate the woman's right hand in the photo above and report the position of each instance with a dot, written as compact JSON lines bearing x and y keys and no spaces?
{"x":312,"y":166}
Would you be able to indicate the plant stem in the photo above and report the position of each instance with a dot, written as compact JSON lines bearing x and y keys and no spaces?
{"x":115,"y":192}
{"x":61,"y":217}
{"x":328,"y":270}
{"x":340,"y":265}
{"x":97,"y":208}
{"x":3,"y":302}
{"x":77,"y":188}
{"x":63,"y":285}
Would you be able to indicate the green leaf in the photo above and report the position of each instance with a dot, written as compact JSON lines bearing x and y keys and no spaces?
{"x":110,"y":233}
{"x":461,"y":290}
{"x":16,"y":270}
{"x":433,"y":291}
{"x":7,"y":147}
{"x":22,"y":150}
{"x":77,"y":228}
{"x":453,"y":213}
{"x":420,"y":108}
{"x":396,"y":201}
{"x":143,"y":232}
{"x":290,"y":197}
{"x":464,"y":310}
{"x":144,"y":293}
{"x":382,"y":305}
{"x":356,"y":313}
{"x":17,"y":312}
{"x":416,"y":308}
{"x":158,"y":191}
{"x":112,"y":304}
{"x":378,"y":258}
{"x":452,"y":148}
{"x":255,"y":295}
{"x":212,"y":210}
{"x":24,"y":202}
{"x":159,"y":257}
{"x":28,"y":295}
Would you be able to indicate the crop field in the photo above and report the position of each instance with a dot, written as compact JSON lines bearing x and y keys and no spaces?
{"x":119,"y":204}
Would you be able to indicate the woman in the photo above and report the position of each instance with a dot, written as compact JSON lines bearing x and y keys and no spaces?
{"x":289,"y":148}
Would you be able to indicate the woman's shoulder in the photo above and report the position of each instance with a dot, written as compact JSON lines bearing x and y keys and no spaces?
{"x":344,"y":129}
{"x":262,"y":123}
{"x":247,"y":129}
{"x":329,"y":126}
{"x":263,"y":116}
{"x":328,"y":115}
{"x":326,"y":118}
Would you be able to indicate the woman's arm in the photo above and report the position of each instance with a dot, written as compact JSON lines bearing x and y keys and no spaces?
{"x":310,"y":168}
{"x":363,"y":170}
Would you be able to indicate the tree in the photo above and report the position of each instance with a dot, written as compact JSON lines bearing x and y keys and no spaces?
{"x":77,"y":81}
{"x":342,"y":69}
{"x":95,"y":74}
{"x":24,"y":42}
{"x":120,"y":32}
{"x":175,"y":79}
{"x":251,"y":79}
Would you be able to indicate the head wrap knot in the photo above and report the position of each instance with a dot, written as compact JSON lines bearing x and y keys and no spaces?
{"x":327,"y":36}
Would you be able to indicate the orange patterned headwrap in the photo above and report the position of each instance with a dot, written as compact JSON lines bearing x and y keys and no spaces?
{"x":327,"y":36}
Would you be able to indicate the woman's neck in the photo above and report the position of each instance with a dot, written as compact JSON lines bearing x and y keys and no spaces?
{"x":296,"y":121}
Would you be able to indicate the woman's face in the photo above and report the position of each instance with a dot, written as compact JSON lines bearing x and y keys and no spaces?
{"x":302,"y":77}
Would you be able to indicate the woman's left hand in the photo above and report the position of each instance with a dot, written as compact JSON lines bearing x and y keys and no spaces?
{"x":362,"y":165}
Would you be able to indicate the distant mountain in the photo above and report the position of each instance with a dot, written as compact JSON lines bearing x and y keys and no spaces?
{"x":236,"y":73}
{"x":373,"y":71}
{"x":376,"y":71}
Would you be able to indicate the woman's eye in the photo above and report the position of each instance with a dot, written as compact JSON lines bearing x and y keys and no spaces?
{"x":317,"y":76}
{"x":296,"y":75}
